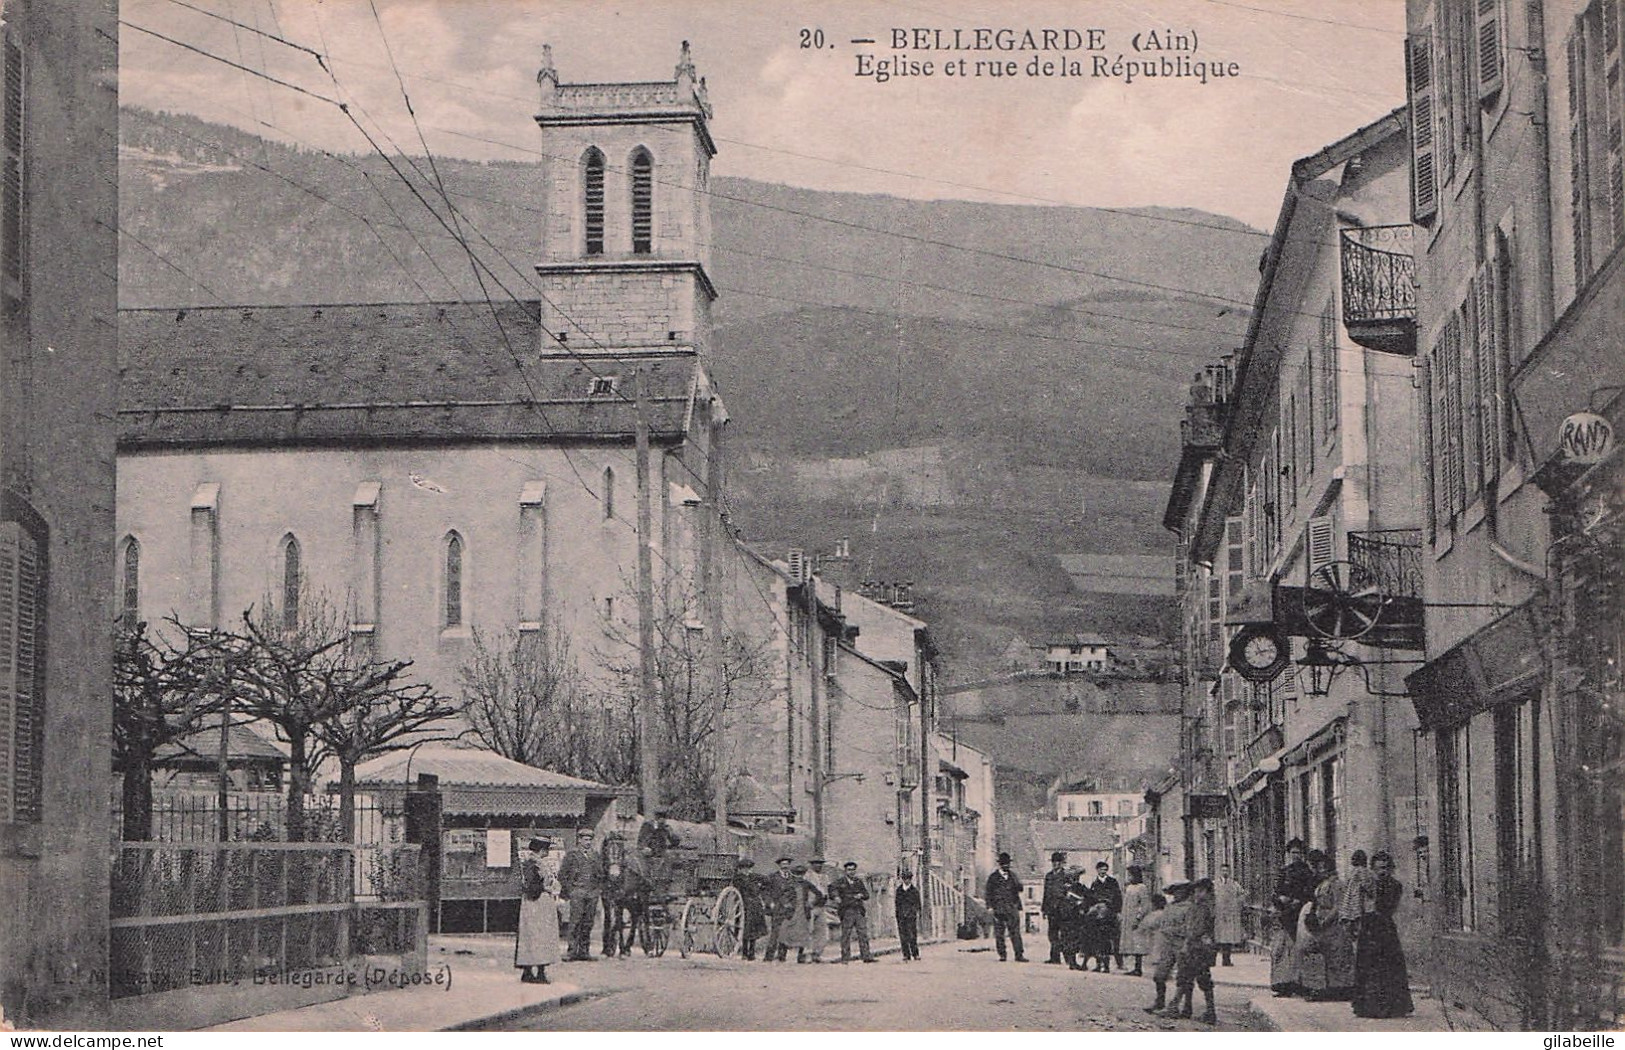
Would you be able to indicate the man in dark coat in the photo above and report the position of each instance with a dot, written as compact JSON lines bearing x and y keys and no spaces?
{"x":1003,"y":899}
{"x":581,"y":876}
{"x":657,"y":836}
{"x":1195,"y":961}
{"x":781,"y":892}
{"x":1055,"y":883}
{"x":1108,"y":891}
{"x":749,"y":885}
{"x":848,"y":894}
{"x":906,"y":905}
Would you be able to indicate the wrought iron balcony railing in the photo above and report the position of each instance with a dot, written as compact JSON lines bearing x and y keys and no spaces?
{"x":1392,"y":560}
{"x":1379,"y":288}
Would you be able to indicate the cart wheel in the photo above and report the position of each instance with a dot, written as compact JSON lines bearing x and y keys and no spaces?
{"x":729,"y":918}
{"x":659,"y":937}
{"x":688,"y":929}
{"x":652,"y":931}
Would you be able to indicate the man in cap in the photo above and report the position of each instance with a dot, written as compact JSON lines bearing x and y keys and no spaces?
{"x":582,"y":877}
{"x":820,"y":880}
{"x":906,"y":906}
{"x":849,"y":892}
{"x":1003,"y":899}
{"x":779,"y":896}
{"x":1055,"y":883}
{"x":658,"y":837}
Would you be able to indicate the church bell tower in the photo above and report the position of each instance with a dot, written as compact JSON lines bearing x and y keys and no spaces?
{"x":627,"y":227}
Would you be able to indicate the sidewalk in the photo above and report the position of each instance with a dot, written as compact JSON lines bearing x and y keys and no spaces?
{"x":1300,"y":1015}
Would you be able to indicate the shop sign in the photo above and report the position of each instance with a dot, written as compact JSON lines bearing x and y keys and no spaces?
{"x":1585,"y":438}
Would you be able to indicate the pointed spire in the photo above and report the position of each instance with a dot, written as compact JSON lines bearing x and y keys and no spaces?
{"x":547,"y":72}
{"x":685,"y":63}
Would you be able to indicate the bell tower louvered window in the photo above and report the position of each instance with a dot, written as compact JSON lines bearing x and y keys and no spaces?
{"x":643,"y":210}
{"x":592,"y":189}
{"x":22,"y":671}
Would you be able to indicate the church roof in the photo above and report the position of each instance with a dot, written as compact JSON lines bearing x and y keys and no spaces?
{"x":378,"y":373}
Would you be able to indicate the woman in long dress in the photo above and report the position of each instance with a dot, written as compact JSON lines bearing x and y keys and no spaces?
{"x":537,"y":945}
{"x":1136,"y":905}
{"x":1382,"y":987}
{"x":1326,"y":951}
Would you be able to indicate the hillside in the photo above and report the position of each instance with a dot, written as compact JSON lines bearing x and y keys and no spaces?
{"x":952,"y":385}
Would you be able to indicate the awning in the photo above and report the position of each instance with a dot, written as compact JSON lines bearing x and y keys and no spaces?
{"x":1317,"y":744}
{"x":1501,"y":662}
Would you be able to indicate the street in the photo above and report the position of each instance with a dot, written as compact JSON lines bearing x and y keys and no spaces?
{"x":952,"y":988}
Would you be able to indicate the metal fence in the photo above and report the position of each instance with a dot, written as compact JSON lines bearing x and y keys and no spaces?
{"x":196,"y":817}
{"x":195,"y":914}
{"x":1379,"y":274}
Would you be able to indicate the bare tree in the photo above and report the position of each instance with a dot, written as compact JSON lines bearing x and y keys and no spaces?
{"x":163,"y":692}
{"x":524,"y":699}
{"x":283,"y":678}
{"x":688,"y":714}
{"x":374,"y":710}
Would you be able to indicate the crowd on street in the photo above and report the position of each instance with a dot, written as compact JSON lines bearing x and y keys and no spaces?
{"x":1335,"y":936}
{"x":799,"y":906}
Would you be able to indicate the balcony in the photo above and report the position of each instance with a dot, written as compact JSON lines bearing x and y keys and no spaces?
{"x":1392,"y":559}
{"x":1379,"y":288}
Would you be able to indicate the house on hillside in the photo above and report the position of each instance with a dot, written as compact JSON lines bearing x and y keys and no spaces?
{"x":1147,"y":575}
{"x":1077,"y":654}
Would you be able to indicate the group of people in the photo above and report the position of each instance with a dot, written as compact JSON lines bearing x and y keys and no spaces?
{"x":1092,"y":922}
{"x":798,"y":905}
{"x":1335,"y":935}
{"x":622,"y":882}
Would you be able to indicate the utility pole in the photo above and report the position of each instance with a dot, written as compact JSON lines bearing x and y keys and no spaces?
{"x":648,"y":752}
{"x":711,"y":577}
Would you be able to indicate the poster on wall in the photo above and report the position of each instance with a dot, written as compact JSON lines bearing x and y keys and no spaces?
{"x":498,"y":848}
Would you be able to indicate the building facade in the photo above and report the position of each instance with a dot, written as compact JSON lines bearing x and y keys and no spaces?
{"x":1294,"y":507}
{"x":1519,"y":212}
{"x":58,"y":376}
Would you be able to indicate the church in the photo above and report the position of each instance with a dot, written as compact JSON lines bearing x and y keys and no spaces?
{"x":429,"y":469}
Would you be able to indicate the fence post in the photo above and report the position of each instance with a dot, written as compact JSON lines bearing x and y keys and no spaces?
{"x":423,"y":820}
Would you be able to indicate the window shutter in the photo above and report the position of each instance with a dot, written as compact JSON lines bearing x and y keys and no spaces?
{"x":1489,"y":48}
{"x":1615,"y":105}
{"x":1579,"y":201}
{"x":1430,"y":444}
{"x":1320,"y":543}
{"x":12,"y":225}
{"x":1489,"y":407}
{"x":642,"y":203}
{"x":1424,"y":160}
{"x":22,"y":664}
{"x":1471,"y":396}
{"x":593,"y":202}
{"x":1453,"y":420}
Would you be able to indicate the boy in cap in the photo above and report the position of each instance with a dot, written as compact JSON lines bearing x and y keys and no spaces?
{"x":906,"y":905}
{"x":848,"y":893}
{"x":1195,"y":964}
{"x":1003,"y":898}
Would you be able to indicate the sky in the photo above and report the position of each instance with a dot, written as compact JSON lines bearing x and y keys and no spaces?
{"x":1310,"y":72}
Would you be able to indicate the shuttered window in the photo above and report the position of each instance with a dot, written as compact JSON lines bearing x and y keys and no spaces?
{"x":1488,"y":356}
{"x":1579,"y":182}
{"x":1490,"y":58}
{"x":643,"y":170}
{"x":1430,"y":445}
{"x":1419,"y":75}
{"x":1320,"y":543}
{"x":13,"y":204}
{"x":22,"y":673}
{"x":592,"y":188}
{"x":1472,"y":452}
{"x":1613,"y":11}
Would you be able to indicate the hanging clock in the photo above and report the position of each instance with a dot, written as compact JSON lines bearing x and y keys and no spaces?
{"x":1259,"y":652}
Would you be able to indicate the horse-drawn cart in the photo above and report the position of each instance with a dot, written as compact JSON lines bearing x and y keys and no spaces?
{"x":700,"y":904}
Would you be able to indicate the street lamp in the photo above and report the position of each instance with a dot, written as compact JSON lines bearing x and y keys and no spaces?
{"x":1324,"y":664}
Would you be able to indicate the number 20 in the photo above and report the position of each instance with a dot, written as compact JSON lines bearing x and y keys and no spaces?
{"x":812,"y":38}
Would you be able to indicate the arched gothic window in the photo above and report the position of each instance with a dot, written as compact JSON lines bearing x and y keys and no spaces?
{"x":592,"y":189}
{"x":453,"y":612}
{"x":609,"y":493}
{"x":643,"y":205}
{"x":130,"y":584}
{"x":291,"y":577}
